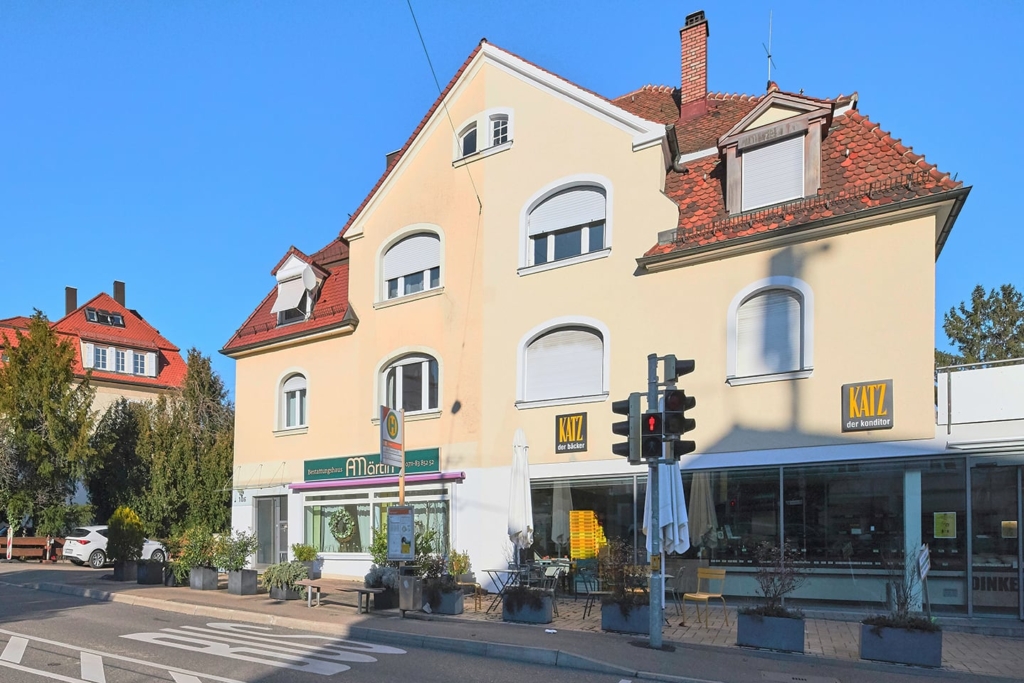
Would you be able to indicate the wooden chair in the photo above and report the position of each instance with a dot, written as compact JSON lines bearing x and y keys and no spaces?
{"x":705,"y":577}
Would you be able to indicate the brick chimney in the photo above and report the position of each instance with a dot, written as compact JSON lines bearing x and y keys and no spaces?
{"x":119,"y":292}
{"x":70,"y":299}
{"x":693,"y":40}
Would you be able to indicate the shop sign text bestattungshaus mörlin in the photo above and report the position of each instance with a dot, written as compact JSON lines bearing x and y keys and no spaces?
{"x":361,"y":466}
{"x":867,"y":405}
{"x":571,"y":433}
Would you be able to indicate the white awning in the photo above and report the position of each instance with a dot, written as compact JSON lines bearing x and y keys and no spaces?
{"x":289,"y":294}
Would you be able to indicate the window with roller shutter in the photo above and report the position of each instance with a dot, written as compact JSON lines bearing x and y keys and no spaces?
{"x":770,"y":334}
{"x":412,"y":265}
{"x":569,"y":223}
{"x":567,"y":362}
{"x":773,"y":173}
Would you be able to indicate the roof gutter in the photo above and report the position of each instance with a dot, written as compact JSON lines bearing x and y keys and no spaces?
{"x":947,"y":227}
{"x":345,"y":326}
{"x":663,"y":261}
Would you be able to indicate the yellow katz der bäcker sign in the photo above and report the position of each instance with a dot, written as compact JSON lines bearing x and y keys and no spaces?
{"x":571,"y":433}
{"x":867,"y":406}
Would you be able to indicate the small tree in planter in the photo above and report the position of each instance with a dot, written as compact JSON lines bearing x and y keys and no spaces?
{"x":125,"y":537}
{"x":441,"y":592}
{"x":460,"y":567}
{"x":627,"y":609}
{"x":280,"y":580}
{"x":232,"y":554}
{"x":901,"y":636}
{"x":770,"y":625}
{"x":198,"y":548}
{"x":525,"y":604}
{"x":309,"y":556}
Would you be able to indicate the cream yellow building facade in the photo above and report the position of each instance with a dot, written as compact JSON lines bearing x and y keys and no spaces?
{"x":521,"y":264}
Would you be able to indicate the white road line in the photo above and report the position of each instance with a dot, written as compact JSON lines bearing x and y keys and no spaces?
{"x":37,"y":672}
{"x":184,"y":678}
{"x":92,"y":668}
{"x":131,"y":660}
{"x":14,"y":651}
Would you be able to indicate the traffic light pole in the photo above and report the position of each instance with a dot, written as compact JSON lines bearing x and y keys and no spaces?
{"x":654,"y":531}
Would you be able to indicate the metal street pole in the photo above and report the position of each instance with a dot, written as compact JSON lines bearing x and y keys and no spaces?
{"x":654,"y":531}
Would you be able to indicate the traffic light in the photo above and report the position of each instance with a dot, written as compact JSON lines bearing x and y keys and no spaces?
{"x":630,"y":428}
{"x":675,"y":422}
{"x":652,"y":431}
{"x":677,"y":368}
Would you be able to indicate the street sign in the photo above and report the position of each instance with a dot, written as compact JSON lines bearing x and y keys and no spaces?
{"x":924,"y":561}
{"x":401,"y":534}
{"x":392,"y":436}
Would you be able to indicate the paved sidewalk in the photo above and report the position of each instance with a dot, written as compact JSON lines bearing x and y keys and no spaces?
{"x":578,"y":643}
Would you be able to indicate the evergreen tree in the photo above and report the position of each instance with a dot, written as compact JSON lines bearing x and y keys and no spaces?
{"x":45,"y":418}
{"x":119,"y":476}
{"x":990,"y":329}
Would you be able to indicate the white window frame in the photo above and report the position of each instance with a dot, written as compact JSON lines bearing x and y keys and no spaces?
{"x":138,"y":363}
{"x":485,"y":145}
{"x":411,"y":359}
{"x":799,"y":140}
{"x":99,"y":352}
{"x":526,"y":265}
{"x":307,"y":298}
{"x":803,"y":292}
{"x":380,"y":377}
{"x":551,"y":326}
{"x":119,"y":361}
{"x":381,"y":299}
{"x":470,"y":128}
{"x":281,"y":427}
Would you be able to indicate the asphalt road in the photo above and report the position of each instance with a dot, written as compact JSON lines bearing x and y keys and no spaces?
{"x":52,"y":637}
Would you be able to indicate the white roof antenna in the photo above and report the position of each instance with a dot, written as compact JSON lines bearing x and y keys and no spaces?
{"x":768,"y":51}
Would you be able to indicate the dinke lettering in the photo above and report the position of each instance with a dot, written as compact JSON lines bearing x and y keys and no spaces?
{"x":1004,"y":584}
{"x":570,"y":428}
{"x":868,"y":401}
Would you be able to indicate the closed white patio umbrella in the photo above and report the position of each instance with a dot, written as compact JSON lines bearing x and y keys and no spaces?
{"x":675,"y":537}
{"x":520,"y":506}
{"x":561,"y":505}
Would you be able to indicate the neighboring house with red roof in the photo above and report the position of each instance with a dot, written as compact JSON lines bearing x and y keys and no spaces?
{"x":522,"y":254}
{"x":126,"y":356}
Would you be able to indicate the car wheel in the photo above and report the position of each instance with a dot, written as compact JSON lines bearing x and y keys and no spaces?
{"x":158,"y":556}
{"x":97,"y":559}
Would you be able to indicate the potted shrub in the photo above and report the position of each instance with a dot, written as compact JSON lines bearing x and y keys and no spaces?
{"x":628,"y":608}
{"x":232,"y":554}
{"x":198,"y":547}
{"x":460,"y":568}
{"x":151,"y":572}
{"x":901,"y":637}
{"x":307,"y":555}
{"x":386,"y":578}
{"x":769,"y":625}
{"x":125,"y":537}
{"x":441,"y":592}
{"x":280,"y":580}
{"x":525,"y":604}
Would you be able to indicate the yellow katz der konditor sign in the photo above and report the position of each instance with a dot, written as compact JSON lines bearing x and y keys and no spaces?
{"x":571,"y":433}
{"x":867,"y":406}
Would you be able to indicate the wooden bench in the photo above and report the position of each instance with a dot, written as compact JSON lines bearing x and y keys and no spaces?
{"x":32,"y":548}
{"x":319,"y":585}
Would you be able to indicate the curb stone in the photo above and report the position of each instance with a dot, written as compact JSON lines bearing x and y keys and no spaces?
{"x":521,"y":653}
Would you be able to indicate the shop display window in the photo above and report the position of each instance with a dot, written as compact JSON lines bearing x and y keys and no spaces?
{"x":604,"y":510}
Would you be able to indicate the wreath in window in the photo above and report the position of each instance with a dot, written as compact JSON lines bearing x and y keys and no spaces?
{"x":342,"y":526}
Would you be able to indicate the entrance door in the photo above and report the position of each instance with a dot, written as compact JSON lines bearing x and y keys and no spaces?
{"x":995,"y":558}
{"x":271,"y":530}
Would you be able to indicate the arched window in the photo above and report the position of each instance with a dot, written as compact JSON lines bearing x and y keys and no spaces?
{"x":294,"y":406}
{"x":499,"y":129}
{"x":412,"y":384}
{"x":771,"y":335}
{"x":568,"y":223}
{"x":566,"y":362}
{"x":467,"y":140}
{"x":412,"y":265}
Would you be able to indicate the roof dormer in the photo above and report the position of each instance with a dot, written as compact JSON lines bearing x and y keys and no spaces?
{"x":297,"y":282}
{"x":773,"y":155}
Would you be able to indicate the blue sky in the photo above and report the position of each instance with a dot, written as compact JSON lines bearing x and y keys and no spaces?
{"x":183,"y":146}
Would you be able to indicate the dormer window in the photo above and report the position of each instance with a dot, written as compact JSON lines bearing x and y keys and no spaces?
{"x":773,"y":173}
{"x":296,"y":288}
{"x":467,"y":141}
{"x":102,"y":317}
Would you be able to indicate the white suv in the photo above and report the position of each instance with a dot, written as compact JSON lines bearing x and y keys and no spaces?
{"x":88,"y":544}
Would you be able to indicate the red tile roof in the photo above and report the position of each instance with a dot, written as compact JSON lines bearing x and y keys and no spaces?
{"x":878,"y":169}
{"x":330,"y":310}
{"x":136,"y":334}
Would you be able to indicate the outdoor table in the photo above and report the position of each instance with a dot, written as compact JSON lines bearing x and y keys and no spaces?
{"x":502,"y":578}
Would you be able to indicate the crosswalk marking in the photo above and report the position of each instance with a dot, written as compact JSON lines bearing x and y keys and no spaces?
{"x":14,"y":651}
{"x":184,"y":678}
{"x":92,"y":668}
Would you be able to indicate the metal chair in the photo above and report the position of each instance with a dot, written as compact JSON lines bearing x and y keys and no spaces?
{"x":676,"y":590}
{"x":549,"y":584}
{"x":705,"y":576}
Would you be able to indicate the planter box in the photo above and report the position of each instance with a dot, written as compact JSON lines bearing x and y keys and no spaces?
{"x":638,"y":621}
{"x":243,"y":582}
{"x":203,"y":579}
{"x":284,"y":594}
{"x":900,"y":646}
{"x":770,"y":633}
{"x":451,"y":603}
{"x":386,"y":600}
{"x":151,"y":573}
{"x":314,"y":569}
{"x":126,"y":571}
{"x":170,"y":579}
{"x":527,"y":614}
